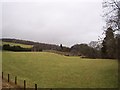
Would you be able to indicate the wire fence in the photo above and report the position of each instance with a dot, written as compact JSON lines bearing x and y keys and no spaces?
{"x":14,"y":81}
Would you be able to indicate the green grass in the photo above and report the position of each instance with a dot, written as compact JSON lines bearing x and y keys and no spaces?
{"x":16,"y":44}
{"x":56,"y":71}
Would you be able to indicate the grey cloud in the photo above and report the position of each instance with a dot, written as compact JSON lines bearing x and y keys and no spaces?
{"x":52,"y":22}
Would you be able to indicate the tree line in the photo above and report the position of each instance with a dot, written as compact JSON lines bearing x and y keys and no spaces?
{"x":75,"y":50}
{"x":108,"y":49}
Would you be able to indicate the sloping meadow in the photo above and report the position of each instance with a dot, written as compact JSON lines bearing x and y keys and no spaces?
{"x":49,"y":70}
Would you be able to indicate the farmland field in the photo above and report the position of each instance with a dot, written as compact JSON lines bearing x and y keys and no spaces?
{"x":16,"y":44}
{"x":56,"y":71}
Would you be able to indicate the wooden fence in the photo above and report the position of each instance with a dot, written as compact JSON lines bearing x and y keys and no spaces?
{"x":16,"y":82}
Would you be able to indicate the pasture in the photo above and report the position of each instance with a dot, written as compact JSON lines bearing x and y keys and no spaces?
{"x":16,"y":44}
{"x":51,"y":70}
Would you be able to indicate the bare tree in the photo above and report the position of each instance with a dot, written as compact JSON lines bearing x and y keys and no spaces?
{"x":111,"y":10}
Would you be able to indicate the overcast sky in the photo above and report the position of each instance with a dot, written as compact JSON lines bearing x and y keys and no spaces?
{"x":66,"y":22}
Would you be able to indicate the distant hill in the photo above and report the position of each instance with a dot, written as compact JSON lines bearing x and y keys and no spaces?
{"x":82,"y":50}
{"x":25,"y":42}
{"x":19,"y":41}
{"x":36,"y":45}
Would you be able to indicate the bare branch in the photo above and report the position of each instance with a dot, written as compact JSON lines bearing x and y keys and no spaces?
{"x":116,"y":4}
{"x":110,"y":12}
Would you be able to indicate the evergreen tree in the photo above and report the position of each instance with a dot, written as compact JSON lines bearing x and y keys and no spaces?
{"x":103,"y":50}
{"x":61,"y":47}
{"x":109,"y":46}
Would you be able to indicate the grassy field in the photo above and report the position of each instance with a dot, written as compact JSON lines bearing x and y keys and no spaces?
{"x":16,"y":44}
{"x":55,"y":71}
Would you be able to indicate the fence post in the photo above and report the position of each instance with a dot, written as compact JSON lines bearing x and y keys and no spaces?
{"x":24,"y":85}
{"x":35,"y":86}
{"x":8,"y":77}
{"x":2,"y":75}
{"x":16,"y":80}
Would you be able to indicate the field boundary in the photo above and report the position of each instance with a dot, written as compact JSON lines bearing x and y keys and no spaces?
{"x":18,"y":87}
{"x":15,"y":83}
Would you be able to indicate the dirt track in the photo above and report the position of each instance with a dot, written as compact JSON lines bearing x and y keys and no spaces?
{"x":5,"y":84}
